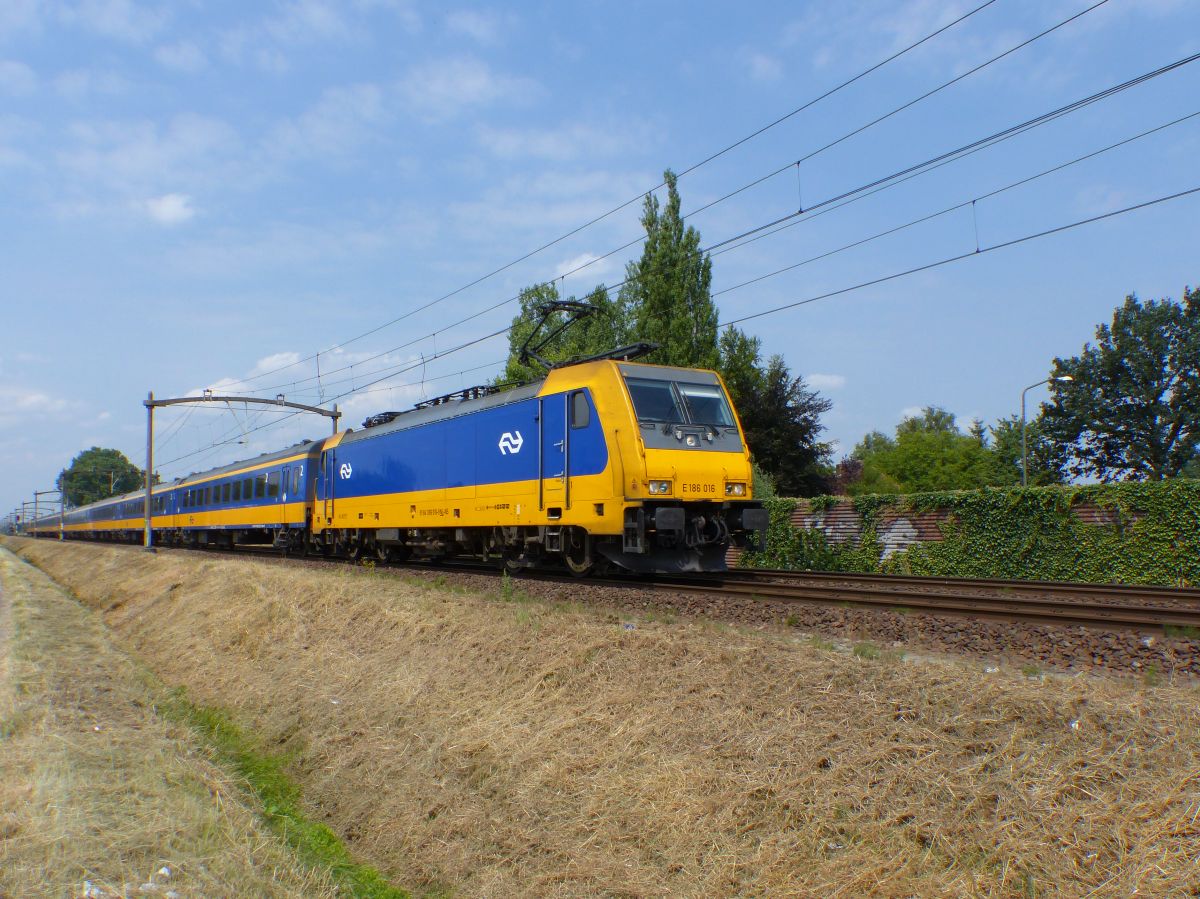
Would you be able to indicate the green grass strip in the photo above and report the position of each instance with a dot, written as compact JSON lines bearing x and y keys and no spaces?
{"x":314,"y":843}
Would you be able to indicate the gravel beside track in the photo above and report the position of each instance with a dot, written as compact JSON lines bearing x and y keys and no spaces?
{"x":997,"y":627}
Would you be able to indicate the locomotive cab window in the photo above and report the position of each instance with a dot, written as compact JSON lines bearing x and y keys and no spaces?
{"x":580,"y":413}
{"x":655,"y":400}
{"x":706,"y":404}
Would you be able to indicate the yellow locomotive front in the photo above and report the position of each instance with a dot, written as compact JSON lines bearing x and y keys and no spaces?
{"x":688,"y":491}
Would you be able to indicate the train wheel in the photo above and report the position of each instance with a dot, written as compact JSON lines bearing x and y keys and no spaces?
{"x":578,"y":553}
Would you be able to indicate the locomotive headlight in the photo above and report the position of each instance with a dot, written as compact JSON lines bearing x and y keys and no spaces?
{"x":735,"y":488}
{"x":658,"y":488}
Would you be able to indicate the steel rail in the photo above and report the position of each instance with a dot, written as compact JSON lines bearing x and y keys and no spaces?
{"x":1126,"y":591}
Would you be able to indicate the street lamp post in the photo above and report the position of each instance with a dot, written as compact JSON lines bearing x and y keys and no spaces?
{"x":1024,"y":442}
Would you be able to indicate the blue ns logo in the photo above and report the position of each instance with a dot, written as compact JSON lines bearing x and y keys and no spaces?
{"x":511,"y":442}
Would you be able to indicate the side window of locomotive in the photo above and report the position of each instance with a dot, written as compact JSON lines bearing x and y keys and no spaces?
{"x":654,"y":400}
{"x":581,"y":415}
{"x":272,"y":484}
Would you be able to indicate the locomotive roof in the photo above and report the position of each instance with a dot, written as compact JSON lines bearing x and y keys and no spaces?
{"x":413,"y":418}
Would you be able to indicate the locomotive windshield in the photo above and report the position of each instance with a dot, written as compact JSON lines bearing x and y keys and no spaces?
{"x":680,"y":402}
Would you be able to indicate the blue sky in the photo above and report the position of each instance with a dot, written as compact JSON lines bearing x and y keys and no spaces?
{"x":197,"y":193}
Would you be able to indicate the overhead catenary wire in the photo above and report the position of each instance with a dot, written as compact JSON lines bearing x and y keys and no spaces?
{"x":965,"y":203}
{"x":597,"y":219}
{"x":823,"y":206}
{"x":961,"y":256}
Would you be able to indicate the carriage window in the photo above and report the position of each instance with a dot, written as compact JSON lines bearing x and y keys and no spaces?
{"x":272,"y":483}
{"x":260,"y":486}
{"x":580,"y":413}
{"x":235,"y":491}
{"x":248,"y":488}
{"x":296,"y":478}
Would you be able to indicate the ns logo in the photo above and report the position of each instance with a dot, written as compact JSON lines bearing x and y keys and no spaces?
{"x":511,"y":442}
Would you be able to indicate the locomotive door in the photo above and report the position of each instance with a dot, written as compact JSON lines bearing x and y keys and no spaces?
{"x":552,"y":434}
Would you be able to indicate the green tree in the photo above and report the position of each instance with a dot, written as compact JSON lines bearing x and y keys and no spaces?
{"x":1047,"y":461}
{"x":928,"y":453}
{"x":1132,"y":406}
{"x":667,"y":292}
{"x":780,"y":415}
{"x":601,"y":331}
{"x":98,"y":473}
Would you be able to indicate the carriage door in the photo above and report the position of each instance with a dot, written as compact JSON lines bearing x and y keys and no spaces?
{"x":552,"y":429}
{"x":325,"y":488}
{"x":282,"y":492}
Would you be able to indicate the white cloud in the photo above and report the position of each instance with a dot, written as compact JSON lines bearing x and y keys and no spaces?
{"x":23,"y":404}
{"x":337,"y":123}
{"x":13,"y":131}
{"x":912,"y":412}
{"x":170,"y":209}
{"x":274,"y":361}
{"x":440,"y":89}
{"x":825,"y":382}
{"x":565,"y":142}
{"x":19,"y":15}
{"x":308,"y":21}
{"x":83,"y":84}
{"x":16,"y":78}
{"x":484,"y":27}
{"x":140,"y":157}
{"x":763,"y":67}
{"x":122,"y":20}
{"x":1100,"y":199}
{"x":183,"y":56}
{"x":593,"y":267}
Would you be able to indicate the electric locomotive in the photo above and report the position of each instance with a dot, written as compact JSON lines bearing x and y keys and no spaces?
{"x":644,"y":467}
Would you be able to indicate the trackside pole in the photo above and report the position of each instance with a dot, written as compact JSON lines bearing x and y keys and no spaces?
{"x":149,"y":538}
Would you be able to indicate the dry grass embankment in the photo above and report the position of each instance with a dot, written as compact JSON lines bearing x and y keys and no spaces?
{"x":522,"y":748}
{"x":97,"y":794}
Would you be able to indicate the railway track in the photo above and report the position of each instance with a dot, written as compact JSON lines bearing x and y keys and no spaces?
{"x":1103,"y":606}
{"x":1110,"y":607}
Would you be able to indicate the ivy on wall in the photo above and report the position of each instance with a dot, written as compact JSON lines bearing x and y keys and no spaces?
{"x":1026,"y":533}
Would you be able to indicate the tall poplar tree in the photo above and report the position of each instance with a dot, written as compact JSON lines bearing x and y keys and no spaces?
{"x":667,"y":292}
